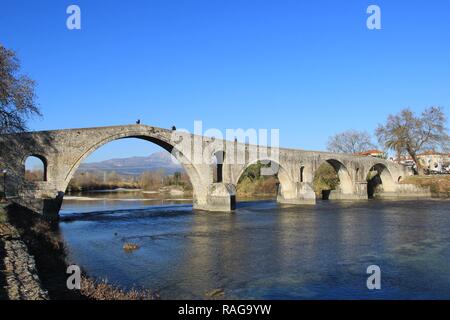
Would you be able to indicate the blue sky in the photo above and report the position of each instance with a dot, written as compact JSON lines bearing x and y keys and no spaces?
{"x":308,"y":68}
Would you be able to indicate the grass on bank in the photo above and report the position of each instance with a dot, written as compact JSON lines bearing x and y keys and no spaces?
{"x":102,"y":290}
{"x":439,"y":184}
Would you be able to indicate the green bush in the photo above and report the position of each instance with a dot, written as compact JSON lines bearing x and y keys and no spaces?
{"x":325,"y":178}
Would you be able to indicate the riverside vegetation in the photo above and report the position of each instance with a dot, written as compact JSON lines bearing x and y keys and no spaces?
{"x":148,"y":181}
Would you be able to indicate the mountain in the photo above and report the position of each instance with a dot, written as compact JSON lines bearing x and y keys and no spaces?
{"x":135,"y":165}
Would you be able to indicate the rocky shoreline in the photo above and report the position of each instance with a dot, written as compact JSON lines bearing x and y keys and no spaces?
{"x":18,"y":268}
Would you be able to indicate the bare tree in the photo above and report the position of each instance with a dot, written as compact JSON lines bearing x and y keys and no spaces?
{"x":407,"y":133}
{"x":17,"y":95}
{"x":350,"y":141}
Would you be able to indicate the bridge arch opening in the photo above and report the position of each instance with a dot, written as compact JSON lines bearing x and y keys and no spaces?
{"x":35,"y":168}
{"x":379,"y":179}
{"x":218,"y":159}
{"x":133,"y":172}
{"x":302,"y":169}
{"x":331,"y":176}
{"x":263,"y":179}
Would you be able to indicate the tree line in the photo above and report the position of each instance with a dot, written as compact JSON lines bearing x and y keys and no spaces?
{"x":148,"y":181}
{"x":405,"y":133}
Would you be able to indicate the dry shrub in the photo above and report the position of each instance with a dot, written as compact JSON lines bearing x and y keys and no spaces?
{"x":45,"y":230}
{"x":102,"y":180}
{"x":34,"y":175}
{"x":101,"y":290}
{"x":215,"y":294}
{"x":130,"y":246}
{"x":149,"y":181}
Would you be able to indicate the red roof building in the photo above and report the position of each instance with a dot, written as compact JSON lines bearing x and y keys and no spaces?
{"x":371,"y":153}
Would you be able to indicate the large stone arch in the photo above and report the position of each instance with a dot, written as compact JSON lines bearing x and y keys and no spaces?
{"x":191,"y":171}
{"x":98,"y":144}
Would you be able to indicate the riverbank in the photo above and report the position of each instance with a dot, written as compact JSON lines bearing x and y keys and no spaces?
{"x":439,"y":184}
{"x":33,"y":263}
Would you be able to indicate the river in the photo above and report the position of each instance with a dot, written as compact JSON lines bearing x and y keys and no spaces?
{"x":262,"y":250}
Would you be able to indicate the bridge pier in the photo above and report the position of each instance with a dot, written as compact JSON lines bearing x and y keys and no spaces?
{"x":303,"y":194}
{"x":220,"y":197}
{"x":47,"y":207}
{"x":403,"y":191}
{"x":359,"y":193}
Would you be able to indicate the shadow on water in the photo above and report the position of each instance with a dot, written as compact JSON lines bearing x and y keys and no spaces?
{"x":122,"y":214}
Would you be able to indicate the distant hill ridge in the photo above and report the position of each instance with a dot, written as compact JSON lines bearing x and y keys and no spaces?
{"x":135,"y":165}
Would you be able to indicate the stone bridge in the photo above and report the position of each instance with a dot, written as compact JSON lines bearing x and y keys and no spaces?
{"x":214,"y":167}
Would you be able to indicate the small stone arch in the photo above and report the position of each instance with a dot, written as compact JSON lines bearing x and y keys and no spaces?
{"x":380,"y":178}
{"x":302,"y":173}
{"x":41,"y":160}
{"x":218,"y":160}
{"x":286,"y":187}
{"x":346,"y":183}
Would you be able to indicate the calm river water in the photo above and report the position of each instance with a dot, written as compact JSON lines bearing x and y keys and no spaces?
{"x":263,"y":251}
